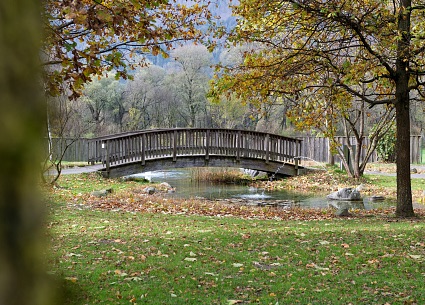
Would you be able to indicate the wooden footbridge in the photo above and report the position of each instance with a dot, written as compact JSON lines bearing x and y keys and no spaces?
{"x":160,"y":149}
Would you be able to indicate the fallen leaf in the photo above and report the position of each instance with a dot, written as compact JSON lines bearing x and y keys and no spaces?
{"x":134,"y":279}
{"x":190,"y":259}
{"x":231,"y":302}
{"x":237,"y":265}
{"x":72,"y":279}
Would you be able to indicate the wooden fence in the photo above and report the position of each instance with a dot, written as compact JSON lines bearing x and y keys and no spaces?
{"x":77,"y":150}
{"x":317,"y":149}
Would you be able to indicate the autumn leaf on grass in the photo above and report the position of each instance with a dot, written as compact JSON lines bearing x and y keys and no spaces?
{"x":190,"y":259}
{"x":373,"y":261}
{"x":120,"y":273}
{"x":72,"y":279}
{"x":134,"y":279}
{"x":231,"y":302}
{"x":237,"y":265}
{"x":324,"y":242}
{"x":313,"y":265}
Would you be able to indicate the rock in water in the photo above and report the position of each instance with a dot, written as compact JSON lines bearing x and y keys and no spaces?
{"x":166,"y":185}
{"x":347,"y":193}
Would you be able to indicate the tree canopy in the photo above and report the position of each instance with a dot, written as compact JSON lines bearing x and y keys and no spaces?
{"x":321,"y":56}
{"x":86,"y":37}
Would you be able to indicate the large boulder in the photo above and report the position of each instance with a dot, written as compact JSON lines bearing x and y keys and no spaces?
{"x":346,"y":194}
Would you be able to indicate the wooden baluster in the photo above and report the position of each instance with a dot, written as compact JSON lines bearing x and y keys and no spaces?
{"x":142,"y":150}
{"x":107,"y":157}
{"x":267,"y":148}
{"x":207,"y":145}
{"x":175,"y":146}
{"x":238,"y":145}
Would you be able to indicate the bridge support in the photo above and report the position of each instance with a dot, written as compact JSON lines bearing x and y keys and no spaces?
{"x":200,"y":161}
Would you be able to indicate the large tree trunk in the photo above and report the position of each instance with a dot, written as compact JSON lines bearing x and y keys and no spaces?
{"x":22,"y":279}
{"x":402,"y":106}
{"x":404,"y":192}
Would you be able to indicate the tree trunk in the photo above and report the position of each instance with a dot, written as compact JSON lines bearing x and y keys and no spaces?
{"x":22,"y":279}
{"x":402,"y":105}
{"x":404,"y":192}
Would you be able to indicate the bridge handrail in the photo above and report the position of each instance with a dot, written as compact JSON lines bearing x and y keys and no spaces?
{"x":139,"y":146}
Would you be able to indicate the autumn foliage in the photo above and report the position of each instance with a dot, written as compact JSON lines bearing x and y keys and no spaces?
{"x":85,"y":38}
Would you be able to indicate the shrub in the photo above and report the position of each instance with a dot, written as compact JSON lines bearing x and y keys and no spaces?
{"x":386,"y":145}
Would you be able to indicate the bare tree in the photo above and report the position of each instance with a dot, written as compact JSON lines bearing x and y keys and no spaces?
{"x":65,"y":126}
{"x":190,"y":79}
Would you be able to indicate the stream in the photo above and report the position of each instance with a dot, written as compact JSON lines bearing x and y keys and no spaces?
{"x":186,"y":187}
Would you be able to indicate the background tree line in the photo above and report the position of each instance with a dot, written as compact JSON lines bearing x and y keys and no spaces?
{"x":176,"y":94}
{"x":172,"y":95}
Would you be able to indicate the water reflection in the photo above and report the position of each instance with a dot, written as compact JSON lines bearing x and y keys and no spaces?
{"x":186,"y":187}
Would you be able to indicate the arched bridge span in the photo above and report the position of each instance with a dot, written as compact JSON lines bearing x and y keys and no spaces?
{"x":159,"y":149}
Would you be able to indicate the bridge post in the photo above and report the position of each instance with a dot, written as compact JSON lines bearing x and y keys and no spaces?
{"x":267,"y":148}
{"x":238,"y":146}
{"x":296,"y":162}
{"x":175,"y":146}
{"x":143,"y":150}
{"x":105,"y":145}
{"x":207,"y":145}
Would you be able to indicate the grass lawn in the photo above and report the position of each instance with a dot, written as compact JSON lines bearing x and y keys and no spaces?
{"x":122,"y":258}
{"x":188,"y":253}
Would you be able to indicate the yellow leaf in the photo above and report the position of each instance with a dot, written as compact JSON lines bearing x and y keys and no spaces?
{"x":231,"y":302}
{"x":72,"y":279}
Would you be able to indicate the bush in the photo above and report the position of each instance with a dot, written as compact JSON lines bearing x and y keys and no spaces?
{"x":386,"y":145}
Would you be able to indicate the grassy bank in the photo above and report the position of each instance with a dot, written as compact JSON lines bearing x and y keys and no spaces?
{"x":107,"y":257}
{"x":134,"y":248}
{"x":329,"y":180}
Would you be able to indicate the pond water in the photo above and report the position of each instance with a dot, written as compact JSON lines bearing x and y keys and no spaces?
{"x":187,"y":187}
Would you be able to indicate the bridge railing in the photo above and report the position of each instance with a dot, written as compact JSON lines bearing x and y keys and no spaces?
{"x":173,"y":143}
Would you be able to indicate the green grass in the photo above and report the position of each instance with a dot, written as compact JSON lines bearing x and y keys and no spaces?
{"x":73,"y":185}
{"x":66,"y":164}
{"x":109,"y":257}
{"x":423,"y":156}
{"x":391,"y":182}
{"x":117,"y":257}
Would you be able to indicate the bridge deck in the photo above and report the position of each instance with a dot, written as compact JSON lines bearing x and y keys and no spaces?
{"x":129,"y":153}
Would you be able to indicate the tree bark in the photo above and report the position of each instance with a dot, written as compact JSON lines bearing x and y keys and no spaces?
{"x":22,"y":279}
{"x":404,"y":192}
{"x":402,"y":106}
